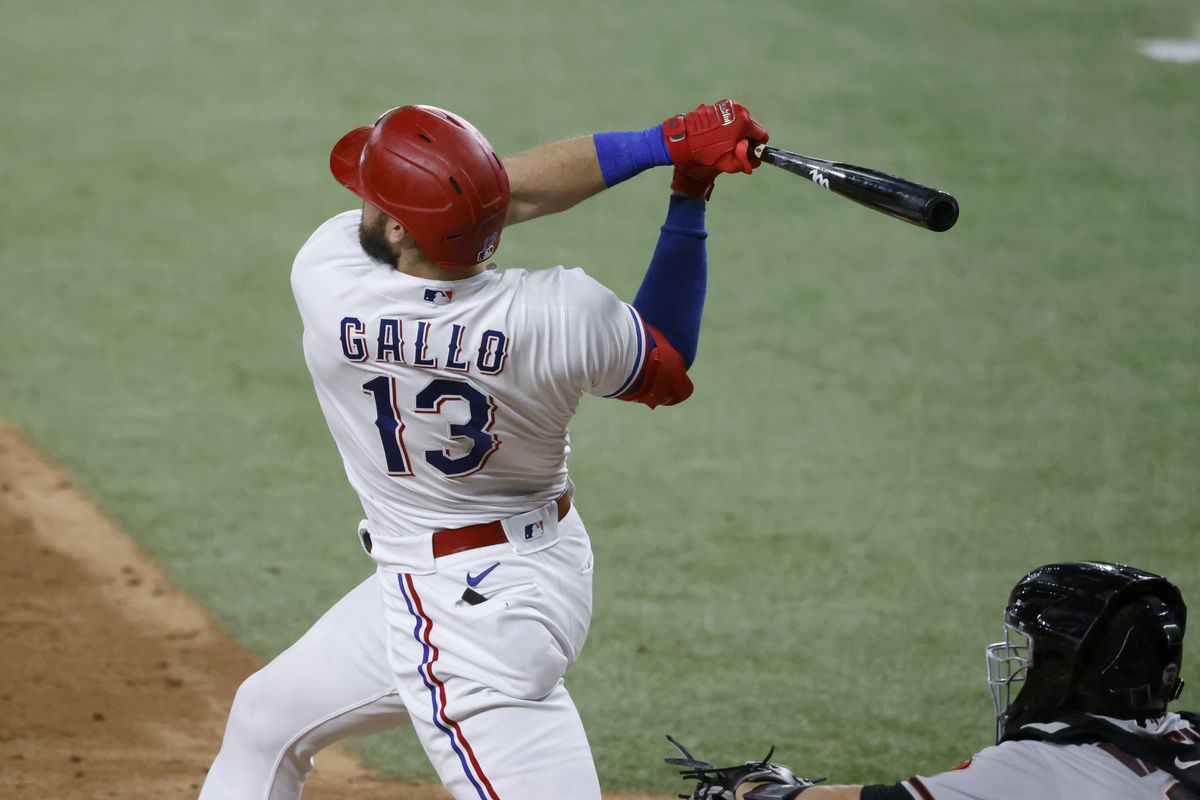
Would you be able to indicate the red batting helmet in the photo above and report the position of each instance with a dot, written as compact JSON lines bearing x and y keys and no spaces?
{"x":435,"y":174}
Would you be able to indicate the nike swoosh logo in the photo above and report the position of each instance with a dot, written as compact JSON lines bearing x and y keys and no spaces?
{"x":475,"y":580}
{"x":1186,"y":764}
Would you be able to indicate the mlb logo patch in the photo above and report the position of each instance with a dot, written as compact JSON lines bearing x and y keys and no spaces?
{"x":534,"y":529}
{"x":489,"y":248}
{"x":438,"y":297}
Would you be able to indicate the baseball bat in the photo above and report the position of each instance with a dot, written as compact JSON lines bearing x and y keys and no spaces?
{"x":921,"y":205}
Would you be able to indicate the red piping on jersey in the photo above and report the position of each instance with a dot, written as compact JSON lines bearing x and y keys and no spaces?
{"x":915,"y":782}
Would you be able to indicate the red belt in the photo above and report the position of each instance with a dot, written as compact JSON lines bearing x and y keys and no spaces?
{"x":457,"y":540}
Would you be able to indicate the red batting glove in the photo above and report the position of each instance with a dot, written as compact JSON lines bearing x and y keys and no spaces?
{"x":695,"y":180}
{"x":714,"y":136}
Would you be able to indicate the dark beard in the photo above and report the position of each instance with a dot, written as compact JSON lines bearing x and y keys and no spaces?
{"x":374,"y":241}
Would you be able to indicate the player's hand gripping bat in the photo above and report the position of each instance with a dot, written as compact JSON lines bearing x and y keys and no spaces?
{"x":921,"y":205}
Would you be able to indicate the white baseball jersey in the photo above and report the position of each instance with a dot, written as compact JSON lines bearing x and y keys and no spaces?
{"x":449,"y":403}
{"x":449,"y":400}
{"x":1037,"y":770}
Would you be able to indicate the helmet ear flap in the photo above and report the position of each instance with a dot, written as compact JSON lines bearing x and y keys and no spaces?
{"x":1133,"y":664}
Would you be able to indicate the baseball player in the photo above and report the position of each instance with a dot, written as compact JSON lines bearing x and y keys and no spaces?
{"x":1095,"y":650}
{"x":448,"y":386}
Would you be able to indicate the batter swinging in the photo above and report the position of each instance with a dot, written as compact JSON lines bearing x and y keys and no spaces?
{"x":448,"y":386}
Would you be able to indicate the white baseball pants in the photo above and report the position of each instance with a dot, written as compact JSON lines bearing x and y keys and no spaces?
{"x":480,"y":683}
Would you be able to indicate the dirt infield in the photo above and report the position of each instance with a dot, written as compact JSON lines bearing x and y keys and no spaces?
{"x":113,"y":684}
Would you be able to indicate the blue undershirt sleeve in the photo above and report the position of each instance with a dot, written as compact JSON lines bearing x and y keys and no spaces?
{"x":671,"y":297}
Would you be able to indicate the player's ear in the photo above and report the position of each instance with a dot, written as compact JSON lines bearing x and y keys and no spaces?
{"x":396,"y":232}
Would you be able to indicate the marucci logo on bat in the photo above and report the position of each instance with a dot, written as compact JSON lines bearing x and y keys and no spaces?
{"x":818,"y":178}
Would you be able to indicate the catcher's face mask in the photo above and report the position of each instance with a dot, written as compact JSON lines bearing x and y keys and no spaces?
{"x":1007,"y":663}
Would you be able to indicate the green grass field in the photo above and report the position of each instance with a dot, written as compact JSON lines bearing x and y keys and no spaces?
{"x":890,"y":426}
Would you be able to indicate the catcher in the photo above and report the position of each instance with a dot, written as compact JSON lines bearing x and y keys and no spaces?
{"x":1095,"y":651}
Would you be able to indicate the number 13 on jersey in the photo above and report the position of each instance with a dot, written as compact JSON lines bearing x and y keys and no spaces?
{"x":474,"y":432}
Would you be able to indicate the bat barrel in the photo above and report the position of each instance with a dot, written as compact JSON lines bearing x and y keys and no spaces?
{"x":920,"y":205}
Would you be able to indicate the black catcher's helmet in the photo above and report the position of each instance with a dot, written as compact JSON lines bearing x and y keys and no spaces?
{"x":1087,"y":636}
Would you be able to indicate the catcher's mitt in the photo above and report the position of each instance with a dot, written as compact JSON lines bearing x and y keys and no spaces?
{"x":721,"y":783}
